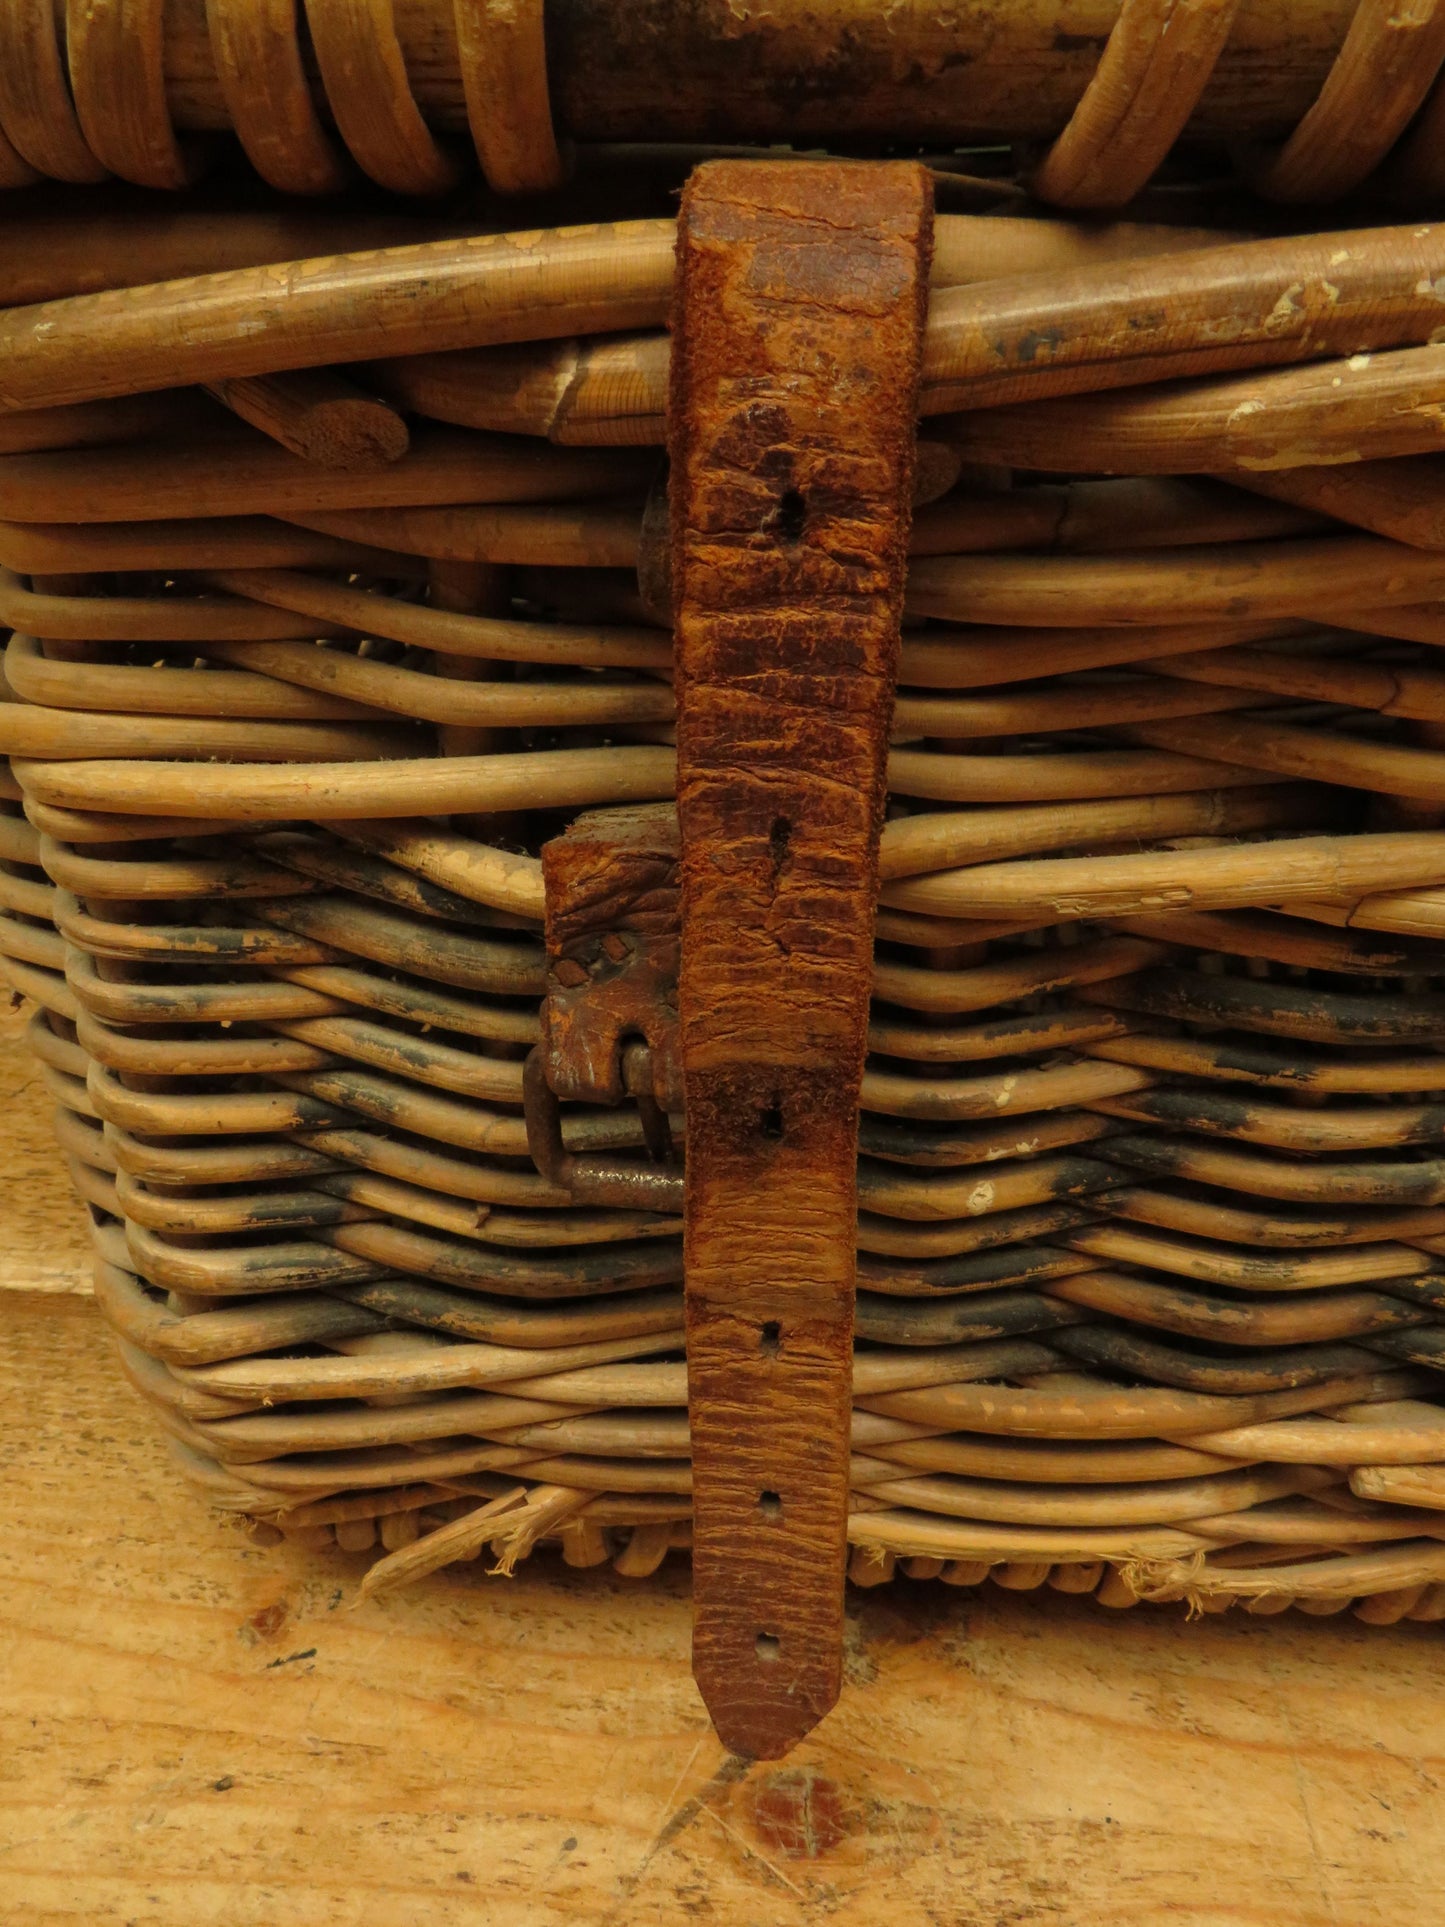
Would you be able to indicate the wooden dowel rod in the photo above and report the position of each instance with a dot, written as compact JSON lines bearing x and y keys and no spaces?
{"x":411,"y":300}
{"x":1213,"y":879}
{"x":62,"y":616}
{"x":1238,"y":581}
{"x":452,"y":632}
{"x":548,"y":779}
{"x":229,"y":542}
{"x":249,"y":474}
{"x":1108,"y":324}
{"x":1393,"y":690}
{"x":1321,"y":754}
{"x":938,"y":840}
{"x":1347,"y":410}
{"x":149,"y":690}
{"x":1401,"y":499}
{"x":1080,"y":1411}
{"x":1067,"y":706}
{"x":318,"y":415}
{"x":1030,"y":776}
{"x":588,"y":535}
{"x":629,"y":70}
{"x":574,"y":390}
{"x":49,"y":256}
{"x":588,"y":703}
{"x":1242,"y":305}
{"x":506,"y":880}
{"x":95,"y":424}
{"x":976,"y":657}
{"x":28,"y":730}
{"x":561,"y":778}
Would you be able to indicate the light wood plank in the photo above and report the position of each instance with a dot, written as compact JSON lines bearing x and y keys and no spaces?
{"x":46,"y":1243}
{"x":194,"y":1729}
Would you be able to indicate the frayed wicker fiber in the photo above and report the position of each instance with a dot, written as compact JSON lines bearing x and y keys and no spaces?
{"x":338,"y":588}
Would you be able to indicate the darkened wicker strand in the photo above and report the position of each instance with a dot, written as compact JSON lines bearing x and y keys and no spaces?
{"x":393,"y":82}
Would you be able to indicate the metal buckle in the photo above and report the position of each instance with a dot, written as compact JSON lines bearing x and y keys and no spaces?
{"x":594,"y":1179}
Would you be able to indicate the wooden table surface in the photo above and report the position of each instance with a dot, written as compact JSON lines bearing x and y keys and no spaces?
{"x":196,"y":1730}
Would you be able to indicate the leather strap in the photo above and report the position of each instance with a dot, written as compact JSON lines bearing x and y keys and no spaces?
{"x":800,"y":300}
{"x":612,"y":949}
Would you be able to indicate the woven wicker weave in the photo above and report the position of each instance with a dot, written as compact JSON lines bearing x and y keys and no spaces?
{"x":307,"y":665}
{"x":1310,"y":96}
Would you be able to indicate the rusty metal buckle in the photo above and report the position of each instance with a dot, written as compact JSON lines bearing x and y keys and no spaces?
{"x":595,"y":1179}
{"x":609,"y":1020}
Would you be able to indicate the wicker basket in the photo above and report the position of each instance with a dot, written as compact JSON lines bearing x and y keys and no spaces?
{"x":308,"y":665}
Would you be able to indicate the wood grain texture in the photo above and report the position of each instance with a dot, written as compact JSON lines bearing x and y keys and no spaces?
{"x":44,"y":1240}
{"x":197,"y":1729}
{"x":319,"y":415}
{"x":799,"y":329}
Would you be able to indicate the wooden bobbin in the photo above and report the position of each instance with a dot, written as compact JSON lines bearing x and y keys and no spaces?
{"x":503,"y":50}
{"x":1155,"y":66}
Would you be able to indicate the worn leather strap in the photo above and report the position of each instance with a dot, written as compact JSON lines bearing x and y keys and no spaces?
{"x":798,"y":326}
{"x":612,"y":946}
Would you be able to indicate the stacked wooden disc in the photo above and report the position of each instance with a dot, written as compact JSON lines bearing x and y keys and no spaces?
{"x":328,"y":611}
